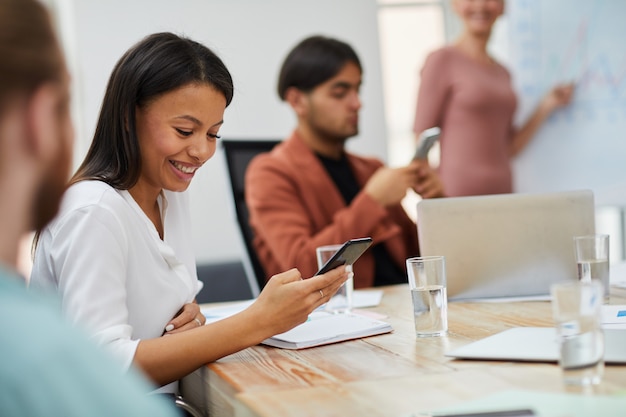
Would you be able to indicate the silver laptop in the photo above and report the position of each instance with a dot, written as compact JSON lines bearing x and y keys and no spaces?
{"x":506,"y":245}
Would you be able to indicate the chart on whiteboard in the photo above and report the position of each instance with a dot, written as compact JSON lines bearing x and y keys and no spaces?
{"x":579,"y":41}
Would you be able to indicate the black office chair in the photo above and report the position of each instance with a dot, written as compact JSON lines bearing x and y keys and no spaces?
{"x":238,"y":154}
{"x":237,"y":287}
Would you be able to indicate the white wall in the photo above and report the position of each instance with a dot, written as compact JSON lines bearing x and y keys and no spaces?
{"x":252,"y":37}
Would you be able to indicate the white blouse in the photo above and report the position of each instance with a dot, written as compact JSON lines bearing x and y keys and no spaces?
{"x":115,"y":276}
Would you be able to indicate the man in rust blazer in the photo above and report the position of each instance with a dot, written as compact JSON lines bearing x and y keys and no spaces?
{"x":308,"y":191}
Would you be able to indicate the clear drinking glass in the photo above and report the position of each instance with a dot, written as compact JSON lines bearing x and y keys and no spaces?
{"x":341,"y":302}
{"x":577,"y":314}
{"x":592,"y":259}
{"x":427,"y":281}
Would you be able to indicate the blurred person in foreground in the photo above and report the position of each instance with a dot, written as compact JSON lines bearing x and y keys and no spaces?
{"x":47,"y":367}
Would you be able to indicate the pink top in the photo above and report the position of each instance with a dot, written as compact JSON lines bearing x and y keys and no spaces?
{"x":473,"y":103}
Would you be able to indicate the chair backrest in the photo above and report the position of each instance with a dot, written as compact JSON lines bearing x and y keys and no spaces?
{"x":238,"y":155}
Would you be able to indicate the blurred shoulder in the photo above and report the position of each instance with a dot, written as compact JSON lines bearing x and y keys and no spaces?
{"x":443,"y":56}
{"x":77,"y":375}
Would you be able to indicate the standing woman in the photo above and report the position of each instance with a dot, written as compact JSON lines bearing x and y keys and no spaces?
{"x":469,"y":95}
{"x":120,"y":253}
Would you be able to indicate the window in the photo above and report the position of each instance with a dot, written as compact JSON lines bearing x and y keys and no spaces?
{"x":409,"y":31}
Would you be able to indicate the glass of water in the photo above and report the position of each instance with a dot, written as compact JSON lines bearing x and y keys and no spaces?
{"x":576,"y":309}
{"x":341,"y":302}
{"x":592,"y":259}
{"x":427,"y":281}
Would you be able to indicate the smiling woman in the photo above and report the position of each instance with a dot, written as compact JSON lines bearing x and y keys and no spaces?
{"x":120,"y":253}
{"x":185,"y":121}
{"x":177,"y":134}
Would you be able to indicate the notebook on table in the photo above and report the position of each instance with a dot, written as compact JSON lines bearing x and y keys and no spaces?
{"x":506,"y":245}
{"x":321,"y":328}
{"x":324,"y":328}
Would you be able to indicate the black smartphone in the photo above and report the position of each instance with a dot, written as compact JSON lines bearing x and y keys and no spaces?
{"x":426,"y":141}
{"x":347,"y":254}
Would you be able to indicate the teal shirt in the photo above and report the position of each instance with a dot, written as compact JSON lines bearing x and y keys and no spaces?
{"x":48,"y":368}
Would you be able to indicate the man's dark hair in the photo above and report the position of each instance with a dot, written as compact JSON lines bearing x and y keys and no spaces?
{"x":314,"y":61}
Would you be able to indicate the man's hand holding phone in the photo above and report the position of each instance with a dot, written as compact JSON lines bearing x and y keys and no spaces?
{"x":426,"y":141}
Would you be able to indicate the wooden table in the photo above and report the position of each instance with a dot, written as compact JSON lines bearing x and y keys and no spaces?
{"x":388,"y":375}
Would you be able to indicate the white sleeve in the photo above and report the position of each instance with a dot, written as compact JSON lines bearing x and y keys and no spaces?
{"x":88,"y":253}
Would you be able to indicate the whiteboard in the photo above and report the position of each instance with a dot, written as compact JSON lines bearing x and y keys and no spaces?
{"x":584,"y":145}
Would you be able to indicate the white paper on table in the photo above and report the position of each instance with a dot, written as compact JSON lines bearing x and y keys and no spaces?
{"x":213,"y":314}
{"x":361,"y":299}
{"x":366,"y":298}
{"x":618,"y":274}
{"x":614,"y":316}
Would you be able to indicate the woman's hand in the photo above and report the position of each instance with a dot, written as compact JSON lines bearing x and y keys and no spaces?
{"x":558,"y":97}
{"x":287,"y":299}
{"x":188,"y":317}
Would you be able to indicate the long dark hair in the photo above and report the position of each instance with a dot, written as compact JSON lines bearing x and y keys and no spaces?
{"x":156,"y":65}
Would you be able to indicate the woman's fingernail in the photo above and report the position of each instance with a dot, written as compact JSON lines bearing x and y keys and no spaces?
{"x":169,"y":327}
{"x":348,"y":268}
